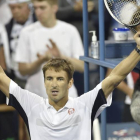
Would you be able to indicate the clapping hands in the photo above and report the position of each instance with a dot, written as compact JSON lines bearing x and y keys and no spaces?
{"x":52,"y":52}
{"x":54,"y":49}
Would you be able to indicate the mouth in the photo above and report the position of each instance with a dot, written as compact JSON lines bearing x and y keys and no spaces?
{"x":55,"y":92}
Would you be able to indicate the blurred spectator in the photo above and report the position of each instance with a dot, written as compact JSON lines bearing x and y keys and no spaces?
{"x":22,"y":16}
{"x":5,"y":12}
{"x":71,"y":11}
{"x":135,"y":105}
{"x":45,"y":39}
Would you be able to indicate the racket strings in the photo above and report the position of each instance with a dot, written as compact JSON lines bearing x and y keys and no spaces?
{"x":136,"y":18}
{"x":126,"y":11}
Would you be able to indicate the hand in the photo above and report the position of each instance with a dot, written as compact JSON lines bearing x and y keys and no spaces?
{"x":45,"y":57}
{"x":54,"y":49}
{"x":137,"y":39}
{"x":78,"y":6}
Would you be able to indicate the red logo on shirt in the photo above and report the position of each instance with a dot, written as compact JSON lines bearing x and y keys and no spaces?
{"x":71,"y":111}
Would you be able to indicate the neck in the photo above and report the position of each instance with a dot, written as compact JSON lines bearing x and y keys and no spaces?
{"x":60,"y":104}
{"x":50,"y":23}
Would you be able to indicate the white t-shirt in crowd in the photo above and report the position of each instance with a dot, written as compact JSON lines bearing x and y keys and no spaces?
{"x":33,"y":40}
{"x":5,"y":12}
{"x":72,"y":122}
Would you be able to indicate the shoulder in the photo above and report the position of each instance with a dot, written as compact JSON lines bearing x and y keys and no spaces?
{"x":67,"y":26}
{"x":31,"y":28}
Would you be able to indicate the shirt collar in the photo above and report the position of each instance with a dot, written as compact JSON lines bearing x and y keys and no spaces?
{"x":69,"y":103}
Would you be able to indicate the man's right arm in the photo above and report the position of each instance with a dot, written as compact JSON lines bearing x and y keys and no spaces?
{"x":2,"y":58}
{"x":4,"y":82}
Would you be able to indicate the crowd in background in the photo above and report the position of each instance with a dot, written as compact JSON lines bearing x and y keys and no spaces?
{"x":29,"y":36}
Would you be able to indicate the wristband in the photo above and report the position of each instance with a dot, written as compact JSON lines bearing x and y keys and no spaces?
{"x":137,"y":50}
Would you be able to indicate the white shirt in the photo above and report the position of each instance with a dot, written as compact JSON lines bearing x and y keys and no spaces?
{"x":72,"y":122}
{"x":5,"y":13}
{"x":33,"y":40}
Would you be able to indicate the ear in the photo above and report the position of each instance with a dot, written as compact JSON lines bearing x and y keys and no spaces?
{"x":55,"y":8}
{"x":70,"y":83}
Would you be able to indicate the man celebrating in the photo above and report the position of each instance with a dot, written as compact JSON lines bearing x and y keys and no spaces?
{"x":61,"y":117}
{"x":47,"y":38}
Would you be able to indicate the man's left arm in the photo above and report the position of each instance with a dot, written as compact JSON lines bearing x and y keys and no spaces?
{"x":122,"y":69}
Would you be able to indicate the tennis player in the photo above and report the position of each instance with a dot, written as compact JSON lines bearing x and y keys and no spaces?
{"x":60,"y":117}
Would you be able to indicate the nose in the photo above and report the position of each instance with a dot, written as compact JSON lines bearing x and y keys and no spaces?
{"x":54,"y":83}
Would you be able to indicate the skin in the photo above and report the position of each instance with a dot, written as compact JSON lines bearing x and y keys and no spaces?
{"x":79,"y":6}
{"x":2,"y":58}
{"x":57,"y":86}
{"x":20,"y":12}
{"x":122,"y":86}
{"x":45,"y":13}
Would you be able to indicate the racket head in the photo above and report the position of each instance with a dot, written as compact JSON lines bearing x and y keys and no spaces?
{"x":125,"y":12}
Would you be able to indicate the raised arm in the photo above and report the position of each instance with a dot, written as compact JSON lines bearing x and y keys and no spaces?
{"x":4,"y":82}
{"x":2,"y":58}
{"x":122,"y":69}
{"x":122,"y":86}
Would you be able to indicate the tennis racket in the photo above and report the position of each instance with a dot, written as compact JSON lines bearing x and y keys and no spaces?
{"x":125,"y":12}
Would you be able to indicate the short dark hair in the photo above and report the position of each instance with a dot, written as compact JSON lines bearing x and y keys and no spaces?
{"x":51,"y":2}
{"x":59,"y":64}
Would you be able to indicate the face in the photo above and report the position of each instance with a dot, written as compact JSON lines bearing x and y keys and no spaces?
{"x":57,"y":85}
{"x":20,"y":12}
{"x":44,"y":11}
